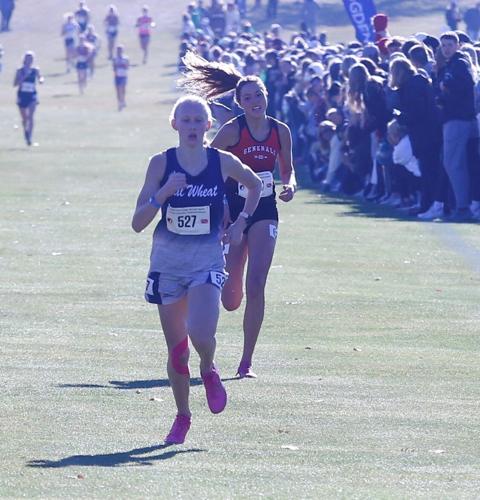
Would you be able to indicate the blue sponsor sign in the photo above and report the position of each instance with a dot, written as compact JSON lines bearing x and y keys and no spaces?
{"x":361,"y":13}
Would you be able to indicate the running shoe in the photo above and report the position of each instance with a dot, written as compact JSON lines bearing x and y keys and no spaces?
{"x":216,"y":393}
{"x":245,"y":370}
{"x":434,"y":212}
{"x":179,"y":430}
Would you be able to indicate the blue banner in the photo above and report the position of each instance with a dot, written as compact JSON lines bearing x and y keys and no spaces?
{"x":361,"y":13}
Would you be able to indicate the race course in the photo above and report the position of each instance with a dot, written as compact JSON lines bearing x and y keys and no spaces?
{"x":368,"y":360}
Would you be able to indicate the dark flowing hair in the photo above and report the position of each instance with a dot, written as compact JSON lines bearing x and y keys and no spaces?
{"x":213,"y":79}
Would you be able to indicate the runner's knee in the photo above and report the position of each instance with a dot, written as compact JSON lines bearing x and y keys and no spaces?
{"x":179,"y":357}
{"x":232,"y":301}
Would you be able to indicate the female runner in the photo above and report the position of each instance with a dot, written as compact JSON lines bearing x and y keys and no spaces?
{"x":70,"y":31}
{"x":144,"y":23}
{"x":83,"y":53}
{"x":26,"y":79}
{"x":258,"y":141}
{"x":187,"y":184}
{"x":121,"y":64}
{"x":111,"y":22}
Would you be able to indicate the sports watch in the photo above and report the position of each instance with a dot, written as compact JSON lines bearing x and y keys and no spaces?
{"x":248,"y":218}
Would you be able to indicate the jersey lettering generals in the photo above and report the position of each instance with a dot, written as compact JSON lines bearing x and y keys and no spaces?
{"x":260,"y":156}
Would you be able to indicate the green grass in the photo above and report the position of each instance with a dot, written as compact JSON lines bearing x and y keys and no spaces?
{"x":368,"y":358}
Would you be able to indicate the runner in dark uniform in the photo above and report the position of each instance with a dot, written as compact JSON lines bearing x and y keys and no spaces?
{"x":26,"y":79}
{"x":83,"y":53}
{"x":111,"y":23}
{"x":259,"y":141}
{"x":120,"y":64}
{"x":186,"y":273}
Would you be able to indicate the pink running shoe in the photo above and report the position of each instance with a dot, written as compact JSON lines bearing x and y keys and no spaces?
{"x":216,"y":393}
{"x":179,"y":430}
{"x":245,"y":370}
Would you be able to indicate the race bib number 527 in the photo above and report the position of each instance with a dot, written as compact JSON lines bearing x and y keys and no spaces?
{"x":188,"y":220}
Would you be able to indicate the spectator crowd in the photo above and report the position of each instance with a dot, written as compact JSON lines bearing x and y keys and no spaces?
{"x":394,"y":121}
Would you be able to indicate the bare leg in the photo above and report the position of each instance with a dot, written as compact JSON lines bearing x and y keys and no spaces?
{"x":82,"y":79}
{"x":25,"y":114}
{"x":122,"y":91}
{"x":31,"y":113}
{"x":111,"y":43}
{"x":119,"y":96}
{"x":203,"y":313}
{"x":174,"y":324}
{"x":261,"y":246}
{"x":232,"y":293}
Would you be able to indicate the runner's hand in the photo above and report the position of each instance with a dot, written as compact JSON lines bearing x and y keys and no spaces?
{"x":287,"y":192}
{"x":234,"y":232}
{"x":175,"y":181}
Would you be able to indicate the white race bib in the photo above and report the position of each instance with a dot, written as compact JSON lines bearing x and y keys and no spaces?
{"x":267,"y":185}
{"x":188,"y":220}
{"x":121,"y":72}
{"x":27,"y":87}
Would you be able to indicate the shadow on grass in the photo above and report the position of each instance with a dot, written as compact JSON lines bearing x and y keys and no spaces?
{"x":55,"y":75}
{"x":357,"y":207}
{"x":136,"y":384}
{"x":128,"y":384}
{"x":131,"y":457}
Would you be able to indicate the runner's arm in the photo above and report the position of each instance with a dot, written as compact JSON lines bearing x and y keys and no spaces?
{"x":145,"y":212}
{"x":234,"y":168}
{"x":227,"y":136}
{"x":287,"y":172}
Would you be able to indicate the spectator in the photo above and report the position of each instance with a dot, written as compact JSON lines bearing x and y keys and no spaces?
{"x":232,"y":18}
{"x":272,"y":7}
{"x":6,"y":10}
{"x":472,"y":21}
{"x":187,"y":25}
{"x":216,"y":15}
{"x":419,"y":116}
{"x":419,"y":57}
{"x":310,"y":13}
{"x":242,"y":7}
{"x":406,"y":166}
{"x":380,"y":26}
{"x":459,"y":120}
{"x":453,"y":15}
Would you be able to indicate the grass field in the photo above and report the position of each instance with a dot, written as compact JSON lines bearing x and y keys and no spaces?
{"x":368,"y":358}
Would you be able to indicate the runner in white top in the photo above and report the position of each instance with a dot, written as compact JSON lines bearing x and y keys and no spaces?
{"x":69,"y":32}
{"x":121,"y":65}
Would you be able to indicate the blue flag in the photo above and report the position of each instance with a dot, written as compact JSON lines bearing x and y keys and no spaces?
{"x":361,"y":13}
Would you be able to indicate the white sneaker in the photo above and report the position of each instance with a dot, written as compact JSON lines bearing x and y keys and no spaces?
{"x":434,"y":212}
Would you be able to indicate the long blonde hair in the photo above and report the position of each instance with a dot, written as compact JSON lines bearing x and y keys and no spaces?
{"x":357,"y":80}
{"x":400,"y":70}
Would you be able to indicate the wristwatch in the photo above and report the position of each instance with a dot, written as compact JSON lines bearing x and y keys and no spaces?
{"x":248,"y":218}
